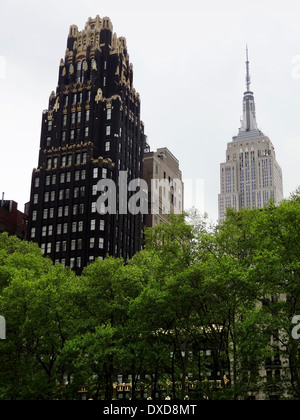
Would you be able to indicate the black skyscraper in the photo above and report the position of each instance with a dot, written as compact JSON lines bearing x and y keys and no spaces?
{"x":91,"y":131}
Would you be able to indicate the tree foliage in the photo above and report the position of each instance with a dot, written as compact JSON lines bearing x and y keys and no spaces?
{"x":204,"y":312}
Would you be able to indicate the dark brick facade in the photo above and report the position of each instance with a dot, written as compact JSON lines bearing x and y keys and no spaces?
{"x":12,"y":221}
{"x":90,"y":131}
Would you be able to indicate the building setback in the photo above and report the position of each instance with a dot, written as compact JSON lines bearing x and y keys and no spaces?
{"x":251,"y":175}
{"x":164,"y":178}
{"x":91,"y":131}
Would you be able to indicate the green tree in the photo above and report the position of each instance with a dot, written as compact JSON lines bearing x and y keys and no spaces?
{"x":37,"y":318}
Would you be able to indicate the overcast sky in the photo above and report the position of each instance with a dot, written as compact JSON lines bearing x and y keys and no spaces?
{"x":189,"y":68}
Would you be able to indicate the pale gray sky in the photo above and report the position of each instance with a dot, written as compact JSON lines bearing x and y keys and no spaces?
{"x":189,"y":68}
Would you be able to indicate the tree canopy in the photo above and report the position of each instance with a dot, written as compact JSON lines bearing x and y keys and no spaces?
{"x":202,"y":312}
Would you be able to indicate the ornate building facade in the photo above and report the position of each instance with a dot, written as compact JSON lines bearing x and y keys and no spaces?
{"x":251,"y":175}
{"x":91,"y":131}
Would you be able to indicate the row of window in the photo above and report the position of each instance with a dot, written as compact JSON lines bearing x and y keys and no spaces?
{"x":65,"y":211}
{"x":76,"y":245}
{"x":64,"y":228}
{"x":75,"y":262}
{"x":67,"y":160}
{"x":65,"y":177}
{"x":81,"y":68}
{"x":61,"y":229}
{"x":76,"y":117}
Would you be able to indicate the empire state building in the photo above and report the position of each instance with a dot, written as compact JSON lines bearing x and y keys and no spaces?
{"x":251,"y":176}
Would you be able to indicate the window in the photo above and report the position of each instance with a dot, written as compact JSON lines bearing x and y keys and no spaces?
{"x":93,"y":224}
{"x":73,"y":245}
{"x":37,"y":182}
{"x":44,"y":231}
{"x":92,"y":243}
{"x":49,"y":163}
{"x":86,"y":133}
{"x":57,"y":247}
{"x":50,"y":125}
{"x":45,"y":214}
{"x":33,"y":232}
{"x":102,"y":225}
{"x":65,"y":120}
{"x":87,"y":115}
{"x":108,"y":130}
{"x":78,"y":72}
{"x":65,"y":228}
{"x":59,"y":229}
{"x":72,"y":262}
{"x":73,"y":118}
{"x":108,"y":114}
{"x":50,"y":230}
{"x":94,"y":208}
{"x":34,"y":215}
{"x":107,"y":146}
{"x":104,"y":173}
{"x":80,"y":226}
{"x":101,"y":243}
{"x":48,"y":143}
{"x":74,"y":227}
{"x":35,"y":198}
{"x":95,"y":173}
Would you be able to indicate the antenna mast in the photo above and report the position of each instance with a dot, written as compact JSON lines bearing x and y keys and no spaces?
{"x":248,"y":78}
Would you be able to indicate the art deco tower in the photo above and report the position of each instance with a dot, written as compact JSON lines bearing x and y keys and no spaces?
{"x":251,"y":175}
{"x":90,"y":131}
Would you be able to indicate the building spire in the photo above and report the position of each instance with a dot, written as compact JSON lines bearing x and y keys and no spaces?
{"x":249,"y":127}
{"x":248,"y":78}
